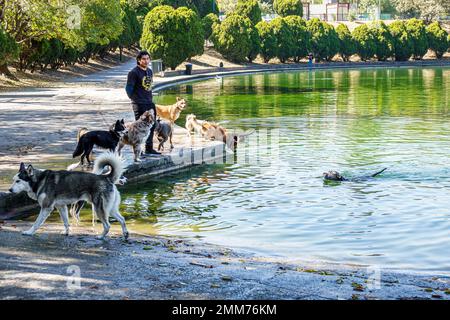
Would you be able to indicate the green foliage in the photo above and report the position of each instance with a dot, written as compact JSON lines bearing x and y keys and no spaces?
{"x":208,"y":21}
{"x":285,"y":39}
{"x":132,"y":29}
{"x":255,"y":43}
{"x":383,"y":40}
{"x":268,"y":41}
{"x":333,"y":42}
{"x":234,"y":38}
{"x":9,"y":50}
{"x":437,"y":39}
{"x":324,"y":39}
{"x":249,"y":9}
{"x":300,"y":36}
{"x":365,"y":42}
{"x":288,"y":7}
{"x":172,"y":35}
{"x":418,"y":35}
{"x":347,"y":46}
{"x":401,"y":41}
{"x":201,"y":7}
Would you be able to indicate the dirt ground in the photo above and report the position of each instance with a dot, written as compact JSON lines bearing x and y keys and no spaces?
{"x":52,"y":266}
{"x":50,"y":78}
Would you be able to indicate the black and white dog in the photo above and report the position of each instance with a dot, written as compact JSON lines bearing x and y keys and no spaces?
{"x":58,"y":189}
{"x":104,"y":139}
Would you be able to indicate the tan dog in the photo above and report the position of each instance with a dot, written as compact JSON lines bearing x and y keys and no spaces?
{"x":171,"y":112}
{"x":192,"y":124}
{"x":214,"y":131}
{"x":137,"y":133}
{"x":208,"y":130}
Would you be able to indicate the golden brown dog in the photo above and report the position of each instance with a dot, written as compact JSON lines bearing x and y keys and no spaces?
{"x":171,"y":112}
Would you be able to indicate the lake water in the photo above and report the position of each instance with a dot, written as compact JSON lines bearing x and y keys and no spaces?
{"x":273,"y":200}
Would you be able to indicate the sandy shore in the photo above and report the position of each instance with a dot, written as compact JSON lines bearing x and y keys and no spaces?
{"x":41,"y":267}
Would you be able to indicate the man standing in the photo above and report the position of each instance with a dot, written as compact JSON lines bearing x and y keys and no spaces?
{"x":139,"y":90}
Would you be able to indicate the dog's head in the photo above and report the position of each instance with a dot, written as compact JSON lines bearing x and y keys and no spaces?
{"x":148,"y":117}
{"x":333,"y":175}
{"x":22,"y":180}
{"x":119,"y":128}
{"x":181,"y":103}
{"x":191,"y":117}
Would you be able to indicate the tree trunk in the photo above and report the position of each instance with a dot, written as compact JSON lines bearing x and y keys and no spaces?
{"x":4,"y":70}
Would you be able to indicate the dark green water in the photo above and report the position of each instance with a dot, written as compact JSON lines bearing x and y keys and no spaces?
{"x":274,"y":200}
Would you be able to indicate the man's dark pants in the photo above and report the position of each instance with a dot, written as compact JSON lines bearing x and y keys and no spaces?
{"x":138,"y":110}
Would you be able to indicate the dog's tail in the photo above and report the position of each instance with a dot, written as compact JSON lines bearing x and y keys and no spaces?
{"x":379,"y":172}
{"x":78,"y":150}
{"x":81,"y":132}
{"x":112,"y":160}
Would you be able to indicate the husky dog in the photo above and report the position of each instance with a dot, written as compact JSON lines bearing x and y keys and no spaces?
{"x":104,"y":139}
{"x":137,"y":133}
{"x":58,"y":189}
{"x":164,"y":132}
{"x":75,"y":208}
{"x":171,"y":112}
{"x":336,"y":176}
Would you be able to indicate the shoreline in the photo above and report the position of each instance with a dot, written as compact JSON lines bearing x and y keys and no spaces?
{"x":162,"y":267}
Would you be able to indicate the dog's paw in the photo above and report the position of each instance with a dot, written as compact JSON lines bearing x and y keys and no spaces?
{"x":126,"y":235}
{"x":29,"y":232}
{"x":65,"y":232}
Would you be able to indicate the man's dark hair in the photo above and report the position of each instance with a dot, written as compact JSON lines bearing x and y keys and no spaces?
{"x":141,"y":54}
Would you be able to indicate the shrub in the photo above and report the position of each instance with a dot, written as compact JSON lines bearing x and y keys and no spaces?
{"x":249,"y":9}
{"x":255,"y":43}
{"x":347,"y":45}
{"x":268,"y":40}
{"x":383,"y":41}
{"x":285,"y":39}
{"x":300,"y":35}
{"x":172,"y":35}
{"x":418,"y":35}
{"x":437,"y":39}
{"x":208,"y":21}
{"x":324,"y":39}
{"x":9,"y":50}
{"x":233,"y":37}
{"x":288,"y":7}
{"x":401,"y":41}
{"x":201,"y":7}
{"x":333,"y":42}
{"x":365,"y":42}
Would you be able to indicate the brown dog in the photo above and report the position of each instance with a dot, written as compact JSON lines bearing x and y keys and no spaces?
{"x":137,"y":133}
{"x":171,"y":112}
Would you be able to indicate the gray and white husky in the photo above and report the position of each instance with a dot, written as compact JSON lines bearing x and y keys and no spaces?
{"x":58,"y":189}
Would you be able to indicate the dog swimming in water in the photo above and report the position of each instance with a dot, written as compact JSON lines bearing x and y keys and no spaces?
{"x":58,"y":189}
{"x":336,"y":176}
